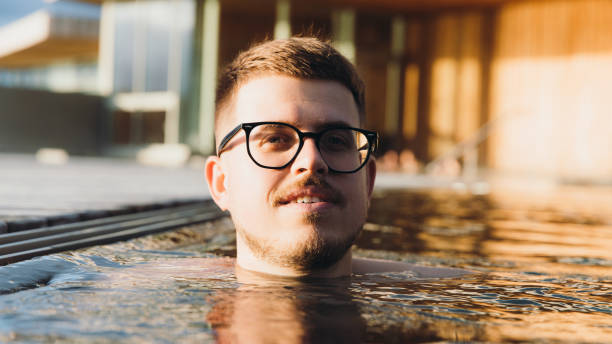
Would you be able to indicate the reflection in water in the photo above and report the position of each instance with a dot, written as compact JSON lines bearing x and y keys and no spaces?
{"x":539,"y":233}
{"x":547,"y":258}
{"x":545,"y":276}
{"x":287,"y":311}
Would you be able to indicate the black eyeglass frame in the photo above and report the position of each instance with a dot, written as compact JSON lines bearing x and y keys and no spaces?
{"x":371,"y":136}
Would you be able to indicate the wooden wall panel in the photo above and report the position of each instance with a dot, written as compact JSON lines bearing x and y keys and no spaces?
{"x":455,"y":80}
{"x":551,"y":77}
{"x":444,"y":72}
{"x":372,"y":35}
{"x":469,"y":79}
{"x":411,"y":77}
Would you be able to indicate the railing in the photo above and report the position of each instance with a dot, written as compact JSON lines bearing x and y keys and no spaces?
{"x":468,"y":149}
{"x":46,"y":240}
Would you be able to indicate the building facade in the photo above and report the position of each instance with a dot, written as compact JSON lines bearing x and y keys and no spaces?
{"x":512,"y":86}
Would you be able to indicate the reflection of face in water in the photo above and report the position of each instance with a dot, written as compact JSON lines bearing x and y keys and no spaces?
{"x":287,"y":311}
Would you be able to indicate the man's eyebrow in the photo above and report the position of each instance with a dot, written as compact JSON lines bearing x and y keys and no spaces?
{"x":333,"y":124}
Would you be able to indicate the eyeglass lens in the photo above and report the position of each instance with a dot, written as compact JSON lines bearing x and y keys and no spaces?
{"x":275,"y":145}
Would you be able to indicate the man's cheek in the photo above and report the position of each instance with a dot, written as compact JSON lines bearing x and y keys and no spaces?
{"x":252,"y":200}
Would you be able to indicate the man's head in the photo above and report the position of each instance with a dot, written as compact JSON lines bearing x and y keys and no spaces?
{"x":298,"y":57}
{"x":297,"y":200}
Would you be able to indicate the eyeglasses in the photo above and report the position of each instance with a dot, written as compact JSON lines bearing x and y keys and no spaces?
{"x":275,"y":145}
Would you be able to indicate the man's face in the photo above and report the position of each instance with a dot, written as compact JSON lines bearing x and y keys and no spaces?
{"x":266,"y":205}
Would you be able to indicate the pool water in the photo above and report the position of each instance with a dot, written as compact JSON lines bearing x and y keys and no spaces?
{"x":543,"y":263}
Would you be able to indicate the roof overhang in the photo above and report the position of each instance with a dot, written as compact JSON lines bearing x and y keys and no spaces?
{"x":42,"y":38}
{"x":397,"y":5}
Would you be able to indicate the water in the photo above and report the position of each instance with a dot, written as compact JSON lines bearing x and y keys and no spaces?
{"x":544,"y":266}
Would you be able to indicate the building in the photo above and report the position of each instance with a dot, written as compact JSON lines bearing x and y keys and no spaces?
{"x":514,"y":86}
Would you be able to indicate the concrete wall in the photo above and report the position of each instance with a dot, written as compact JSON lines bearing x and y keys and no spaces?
{"x":33,"y":119}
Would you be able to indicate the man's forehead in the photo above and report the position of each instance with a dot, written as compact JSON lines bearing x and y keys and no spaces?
{"x":312,"y":103}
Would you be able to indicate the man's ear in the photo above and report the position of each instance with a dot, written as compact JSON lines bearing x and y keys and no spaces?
{"x":371,"y":175}
{"x":217,"y":181}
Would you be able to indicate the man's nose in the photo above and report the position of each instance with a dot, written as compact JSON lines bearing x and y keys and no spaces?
{"x":309,"y":159}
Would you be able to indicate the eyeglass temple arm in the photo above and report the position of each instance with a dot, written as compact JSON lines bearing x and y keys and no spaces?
{"x":373,"y":143}
{"x":227,"y":138}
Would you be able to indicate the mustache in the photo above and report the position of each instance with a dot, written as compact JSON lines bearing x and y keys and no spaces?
{"x":321,"y":186}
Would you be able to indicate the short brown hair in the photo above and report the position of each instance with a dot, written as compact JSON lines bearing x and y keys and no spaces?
{"x":298,"y":57}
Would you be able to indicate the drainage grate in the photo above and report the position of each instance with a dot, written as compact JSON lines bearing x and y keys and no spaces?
{"x":23,"y":245}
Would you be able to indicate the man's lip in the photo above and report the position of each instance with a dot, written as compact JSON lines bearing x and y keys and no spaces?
{"x":323,"y":196}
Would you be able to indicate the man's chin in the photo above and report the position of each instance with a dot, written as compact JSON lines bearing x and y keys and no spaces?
{"x":314,"y":256}
{"x":310,"y":211}
{"x":314,"y":218}
{"x":315,"y":248}
{"x":311,"y":219}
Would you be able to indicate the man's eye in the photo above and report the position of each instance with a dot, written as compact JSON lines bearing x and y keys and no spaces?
{"x":275,"y":139}
{"x":338,"y":142}
{"x":276,"y":142}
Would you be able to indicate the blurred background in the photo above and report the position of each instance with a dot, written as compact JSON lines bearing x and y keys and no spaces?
{"x":456,"y":87}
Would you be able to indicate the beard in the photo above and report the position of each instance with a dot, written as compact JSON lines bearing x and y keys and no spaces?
{"x":321,"y":246}
{"x":315,"y":252}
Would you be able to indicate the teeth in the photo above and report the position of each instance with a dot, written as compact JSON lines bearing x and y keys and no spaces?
{"x":307,"y":199}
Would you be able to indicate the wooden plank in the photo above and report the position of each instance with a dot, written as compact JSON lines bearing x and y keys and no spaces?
{"x":551,"y":71}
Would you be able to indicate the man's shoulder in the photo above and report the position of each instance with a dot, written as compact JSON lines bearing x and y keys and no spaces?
{"x":366,"y":265}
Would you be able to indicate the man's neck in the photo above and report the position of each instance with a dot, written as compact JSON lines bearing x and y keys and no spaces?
{"x":245,"y":259}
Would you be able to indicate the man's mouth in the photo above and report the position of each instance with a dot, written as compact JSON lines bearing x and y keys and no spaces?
{"x":308,"y":199}
{"x":313,"y":192}
{"x":305,"y":197}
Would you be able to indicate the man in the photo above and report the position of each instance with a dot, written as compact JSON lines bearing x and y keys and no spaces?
{"x":294,"y":167}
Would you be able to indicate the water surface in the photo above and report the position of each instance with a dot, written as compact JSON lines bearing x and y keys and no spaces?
{"x":544,"y":266}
